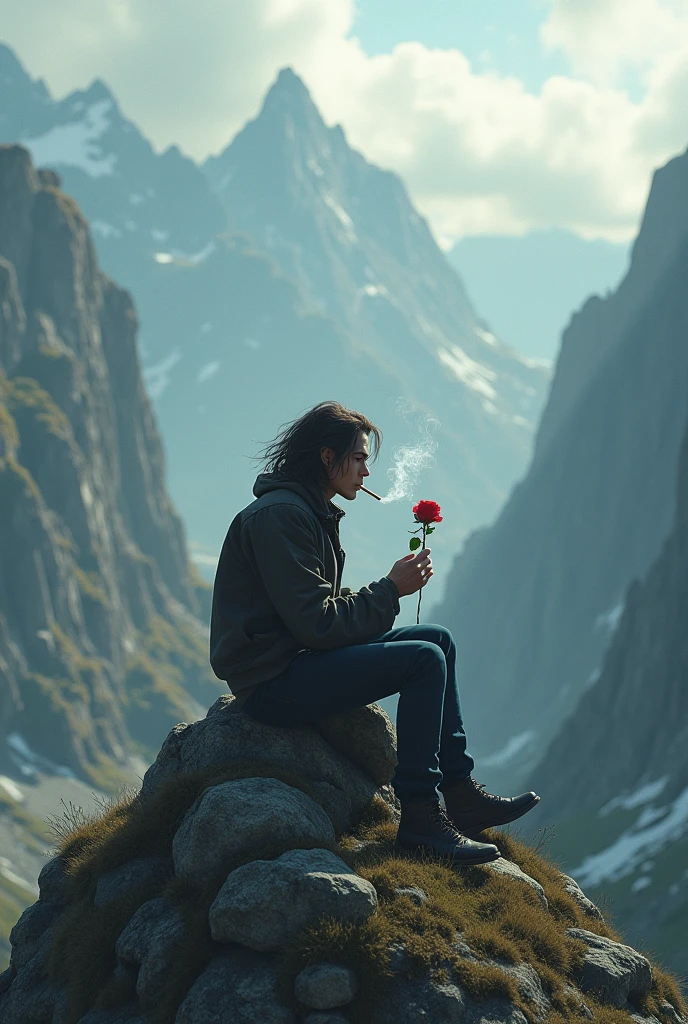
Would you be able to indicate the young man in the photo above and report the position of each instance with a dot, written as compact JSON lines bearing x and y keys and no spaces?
{"x":295,"y":646}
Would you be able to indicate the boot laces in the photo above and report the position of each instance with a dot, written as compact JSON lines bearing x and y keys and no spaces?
{"x":439,"y":816}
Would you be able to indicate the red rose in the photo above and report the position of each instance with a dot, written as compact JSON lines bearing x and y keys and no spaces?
{"x":427,"y":512}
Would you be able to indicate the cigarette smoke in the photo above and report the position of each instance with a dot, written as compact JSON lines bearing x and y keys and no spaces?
{"x":410,"y":460}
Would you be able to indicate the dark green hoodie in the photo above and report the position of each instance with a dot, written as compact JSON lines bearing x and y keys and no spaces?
{"x":278,"y":587}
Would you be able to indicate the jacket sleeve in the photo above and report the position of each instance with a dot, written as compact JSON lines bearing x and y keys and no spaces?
{"x":284,"y":552}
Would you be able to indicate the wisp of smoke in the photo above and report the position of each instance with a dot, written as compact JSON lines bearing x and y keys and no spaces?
{"x":410,"y":460}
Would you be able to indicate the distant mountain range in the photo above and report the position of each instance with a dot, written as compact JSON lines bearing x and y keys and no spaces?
{"x":535,"y":598}
{"x":285,"y":271}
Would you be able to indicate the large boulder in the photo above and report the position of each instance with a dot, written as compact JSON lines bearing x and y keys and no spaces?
{"x":134,"y":874}
{"x":238,"y":987}
{"x":228,"y":736}
{"x":266,"y":903}
{"x":612,"y":971}
{"x":151,"y":937}
{"x":366,"y":736}
{"x":235,"y":819}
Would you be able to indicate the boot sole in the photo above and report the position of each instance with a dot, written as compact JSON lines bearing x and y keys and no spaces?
{"x":471,"y":831}
{"x":455,"y":854}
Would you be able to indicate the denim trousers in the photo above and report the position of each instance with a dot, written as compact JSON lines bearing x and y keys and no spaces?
{"x":419,"y":663}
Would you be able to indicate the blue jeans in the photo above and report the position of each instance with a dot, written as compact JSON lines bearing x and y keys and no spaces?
{"x":419,"y":663}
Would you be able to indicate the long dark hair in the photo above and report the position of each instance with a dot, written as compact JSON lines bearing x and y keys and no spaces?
{"x":295,"y":452}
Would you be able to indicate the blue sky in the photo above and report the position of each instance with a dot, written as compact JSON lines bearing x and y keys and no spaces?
{"x":493,"y":34}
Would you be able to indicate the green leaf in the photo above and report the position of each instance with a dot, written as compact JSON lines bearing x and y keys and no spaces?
{"x":414,"y":543}
{"x":430,"y":529}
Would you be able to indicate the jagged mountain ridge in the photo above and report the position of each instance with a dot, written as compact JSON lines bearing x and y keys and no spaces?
{"x":191,"y":353}
{"x":102,"y":643}
{"x":616,"y":776}
{"x":534,"y":597}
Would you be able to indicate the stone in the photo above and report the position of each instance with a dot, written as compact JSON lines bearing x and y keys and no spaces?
{"x":231,"y":820}
{"x":611,"y":971}
{"x":127,"y":1014}
{"x":325,"y":1018}
{"x":238,"y":987}
{"x":32,"y":996}
{"x":366,"y":736}
{"x":325,"y":986}
{"x":140,"y":871}
{"x":30,"y":931}
{"x":7,"y":977}
{"x":421,"y":1001}
{"x":413,"y":893}
{"x":227,"y":735}
{"x":669,"y":1013}
{"x":53,"y":881}
{"x":264,"y":904}
{"x":150,"y":939}
{"x":529,"y":986}
{"x":505,"y":867}
{"x":587,"y":906}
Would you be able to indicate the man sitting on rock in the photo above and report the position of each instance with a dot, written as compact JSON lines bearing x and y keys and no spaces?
{"x":295,"y":646}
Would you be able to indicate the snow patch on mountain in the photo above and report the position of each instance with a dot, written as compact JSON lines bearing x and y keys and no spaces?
{"x":515,"y":745}
{"x":643,"y":795}
{"x":208,"y":371}
{"x":102,"y":229}
{"x":650,"y":834}
{"x":476,"y":376}
{"x":157,"y":377}
{"x":76,"y":144}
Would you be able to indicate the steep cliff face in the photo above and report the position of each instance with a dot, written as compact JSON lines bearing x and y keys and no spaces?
{"x":616,"y":777}
{"x":101,"y":638}
{"x":533,"y":599}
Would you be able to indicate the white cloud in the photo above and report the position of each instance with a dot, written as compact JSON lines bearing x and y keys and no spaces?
{"x":603,"y":38}
{"x":478,"y":152}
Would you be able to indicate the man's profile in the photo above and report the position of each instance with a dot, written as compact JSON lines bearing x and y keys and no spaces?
{"x":295,"y":646}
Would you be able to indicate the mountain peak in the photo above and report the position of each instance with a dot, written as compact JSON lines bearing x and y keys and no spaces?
{"x":288,"y":92}
{"x":11,"y":68}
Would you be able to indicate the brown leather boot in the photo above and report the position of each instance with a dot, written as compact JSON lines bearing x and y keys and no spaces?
{"x":424,"y":825}
{"x":471,"y":808}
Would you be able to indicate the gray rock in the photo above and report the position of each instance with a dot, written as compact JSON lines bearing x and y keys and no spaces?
{"x":502,"y":866}
{"x":587,"y":906}
{"x":149,"y":939}
{"x":612,"y":971}
{"x":29,"y":932}
{"x":264,"y":904}
{"x":7,"y":977}
{"x":227,"y":735}
{"x":413,"y":892}
{"x":366,"y":736}
{"x":325,"y":986}
{"x":529,"y":986}
{"x":582,"y":1009}
{"x":238,"y":987}
{"x":669,"y":1014}
{"x":325,"y":1018}
{"x":134,"y":873}
{"x":234,"y":819}
{"x":421,"y":1001}
{"x":32,"y":996}
{"x":52,"y":881}
{"x":128,"y":1014}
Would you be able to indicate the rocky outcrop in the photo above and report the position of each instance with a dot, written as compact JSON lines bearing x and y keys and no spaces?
{"x":102,"y":643}
{"x":277,"y":928}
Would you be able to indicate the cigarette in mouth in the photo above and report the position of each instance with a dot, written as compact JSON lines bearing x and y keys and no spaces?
{"x":372,"y":493}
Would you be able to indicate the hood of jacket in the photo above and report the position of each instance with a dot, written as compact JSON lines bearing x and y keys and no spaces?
{"x":326,"y":510}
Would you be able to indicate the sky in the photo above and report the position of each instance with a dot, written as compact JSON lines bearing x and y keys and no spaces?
{"x":502,"y":117}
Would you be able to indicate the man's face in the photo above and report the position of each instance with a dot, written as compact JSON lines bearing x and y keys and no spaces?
{"x":348,"y":479}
